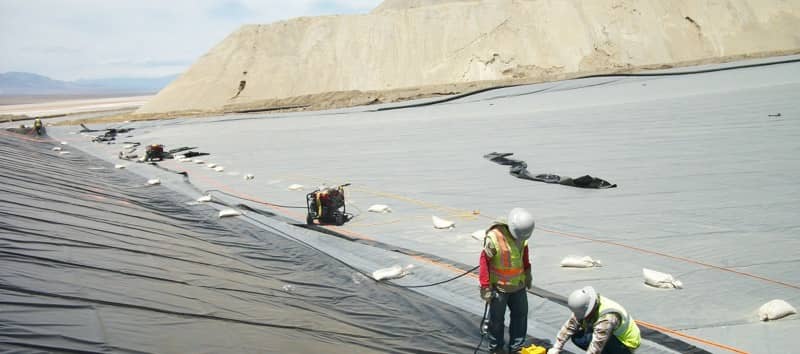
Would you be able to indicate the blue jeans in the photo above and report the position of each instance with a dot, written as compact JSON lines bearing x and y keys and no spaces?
{"x":613,"y":346}
{"x":518,"y":303}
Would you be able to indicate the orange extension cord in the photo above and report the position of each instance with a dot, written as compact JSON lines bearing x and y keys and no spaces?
{"x":356,"y":235}
{"x":201,"y":176}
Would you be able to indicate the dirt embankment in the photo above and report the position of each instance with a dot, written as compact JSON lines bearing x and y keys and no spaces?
{"x":424,"y":48}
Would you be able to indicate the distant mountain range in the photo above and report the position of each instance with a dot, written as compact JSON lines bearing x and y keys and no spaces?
{"x":22,"y":83}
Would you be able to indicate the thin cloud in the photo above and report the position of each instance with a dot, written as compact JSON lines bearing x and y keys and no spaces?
{"x":98,"y":38}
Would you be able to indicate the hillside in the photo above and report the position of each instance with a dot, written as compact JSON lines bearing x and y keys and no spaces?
{"x":418,"y":48}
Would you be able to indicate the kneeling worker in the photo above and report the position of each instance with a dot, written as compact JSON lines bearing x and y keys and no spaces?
{"x":505,"y":273}
{"x":597,"y":325}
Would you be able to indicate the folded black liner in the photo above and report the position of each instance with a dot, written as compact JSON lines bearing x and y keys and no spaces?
{"x":519,"y":169}
{"x":94,"y":261}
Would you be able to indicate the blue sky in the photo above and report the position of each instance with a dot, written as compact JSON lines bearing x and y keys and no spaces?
{"x":73,"y":39}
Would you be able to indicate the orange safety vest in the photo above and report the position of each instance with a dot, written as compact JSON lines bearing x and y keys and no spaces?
{"x":507,"y":268}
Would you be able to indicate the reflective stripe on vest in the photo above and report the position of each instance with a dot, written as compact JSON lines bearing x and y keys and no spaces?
{"x":507,"y":267}
{"x":627,"y":332}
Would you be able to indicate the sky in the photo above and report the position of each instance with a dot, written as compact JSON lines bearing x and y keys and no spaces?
{"x":90,"y":39}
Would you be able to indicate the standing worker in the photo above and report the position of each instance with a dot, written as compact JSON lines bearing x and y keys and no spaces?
{"x":505,"y":273}
{"x":598,"y":325}
{"x":37,"y":124}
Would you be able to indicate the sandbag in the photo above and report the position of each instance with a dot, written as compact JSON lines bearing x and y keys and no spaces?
{"x":248,"y":177}
{"x":153,"y":182}
{"x":63,"y":152}
{"x":228,"y":213}
{"x":439,"y":223}
{"x":120,"y":166}
{"x":204,"y":199}
{"x":198,"y":161}
{"x":296,"y":187}
{"x":660,"y":280}
{"x":380,"y":208}
{"x":580,"y":262}
{"x":392,"y":272}
{"x":219,"y":168}
{"x":57,"y":148}
{"x":211,"y":165}
{"x":479,"y":235}
{"x":775,"y":309}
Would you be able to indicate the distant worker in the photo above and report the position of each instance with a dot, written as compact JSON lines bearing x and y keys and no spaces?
{"x":37,"y":124}
{"x":597,"y":325}
{"x":505,"y":273}
{"x":154,"y":152}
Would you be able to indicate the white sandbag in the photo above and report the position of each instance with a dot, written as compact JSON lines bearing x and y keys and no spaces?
{"x":296,"y":187}
{"x":479,"y":234}
{"x":204,"y":199}
{"x":198,"y":161}
{"x":775,"y":309}
{"x":63,"y":152}
{"x":660,"y":280}
{"x":57,"y":148}
{"x":248,"y":177}
{"x":439,"y":223}
{"x":229,"y":212}
{"x":153,"y":182}
{"x":392,"y":272}
{"x":379,"y":208}
{"x":580,"y":262}
{"x":120,"y":166}
{"x":211,"y":165}
{"x":64,"y":143}
{"x":219,"y":168}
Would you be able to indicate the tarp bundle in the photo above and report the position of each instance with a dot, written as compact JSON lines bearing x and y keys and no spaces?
{"x":94,"y":262}
{"x":519,"y":169}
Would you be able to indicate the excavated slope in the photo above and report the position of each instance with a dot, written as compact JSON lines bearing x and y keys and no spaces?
{"x":406,"y":49}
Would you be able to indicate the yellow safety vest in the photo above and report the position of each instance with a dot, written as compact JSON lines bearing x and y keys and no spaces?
{"x":627,"y":332}
{"x":507,"y":266}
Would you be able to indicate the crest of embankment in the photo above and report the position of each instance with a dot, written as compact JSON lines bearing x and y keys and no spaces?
{"x":414,"y":48}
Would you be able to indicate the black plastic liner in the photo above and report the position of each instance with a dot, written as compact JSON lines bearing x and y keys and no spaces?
{"x":94,"y":261}
{"x":519,"y":169}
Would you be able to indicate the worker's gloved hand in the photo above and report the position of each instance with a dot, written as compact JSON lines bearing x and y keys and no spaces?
{"x":528,"y":279}
{"x":486,"y":294}
{"x":553,"y":351}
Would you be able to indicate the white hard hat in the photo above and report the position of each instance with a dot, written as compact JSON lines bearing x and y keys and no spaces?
{"x":582,"y":302}
{"x":520,"y":223}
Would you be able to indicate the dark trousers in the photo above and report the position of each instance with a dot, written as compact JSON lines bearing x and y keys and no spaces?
{"x":613,"y":346}
{"x":518,"y":304}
